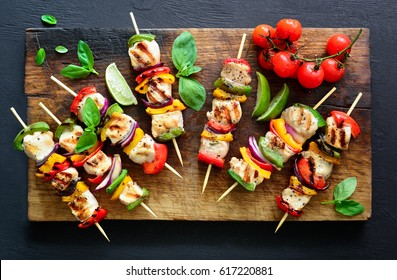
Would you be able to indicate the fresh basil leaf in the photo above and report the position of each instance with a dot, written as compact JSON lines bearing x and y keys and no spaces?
{"x":349,"y":207}
{"x":85,"y":56}
{"x":91,"y":115}
{"x":329,"y":202}
{"x":40,"y":56}
{"x":184,"y":51}
{"x":61,"y":49}
{"x":86,"y":141}
{"x":192,"y":93}
{"x":75,"y":72}
{"x":187,"y":71}
{"x":49,"y":19}
{"x":345,"y":188}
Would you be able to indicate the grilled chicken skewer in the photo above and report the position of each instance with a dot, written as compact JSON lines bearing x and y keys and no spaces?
{"x":130,"y":193}
{"x":330,"y":127}
{"x":84,"y":205}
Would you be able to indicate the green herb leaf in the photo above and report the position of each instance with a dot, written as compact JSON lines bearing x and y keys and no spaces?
{"x":184,"y":51}
{"x":61,"y":49}
{"x":68,"y":123}
{"x":49,"y":19}
{"x":91,"y":115}
{"x":75,"y":72}
{"x":85,"y":55}
{"x":187,"y":71}
{"x":140,"y":37}
{"x":349,"y":207}
{"x":86,"y":141}
{"x":40,"y":56}
{"x":345,"y":188}
{"x":192,"y":93}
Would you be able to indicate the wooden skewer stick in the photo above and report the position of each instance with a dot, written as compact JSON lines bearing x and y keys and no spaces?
{"x":240,"y":51}
{"x":227,"y":191}
{"x":74,"y":94}
{"x":348,"y":112}
{"x":324,"y":98}
{"x":59,"y":123}
{"x":24,"y":126}
{"x":178,"y":152}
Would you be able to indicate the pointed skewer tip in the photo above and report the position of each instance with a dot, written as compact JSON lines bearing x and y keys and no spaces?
{"x":102,"y":231}
{"x":207,"y":175}
{"x":227,"y":191}
{"x":281,"y":221}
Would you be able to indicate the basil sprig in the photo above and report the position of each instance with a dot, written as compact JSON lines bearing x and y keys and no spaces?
{"x":86,"y":58}
{"x":91,"y":118}
{"x":342,"y":192}
{"x":184,"y":55}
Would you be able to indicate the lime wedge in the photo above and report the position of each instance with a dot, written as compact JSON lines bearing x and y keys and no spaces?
{"x":277,"y":105}
{"x":118,"y":87}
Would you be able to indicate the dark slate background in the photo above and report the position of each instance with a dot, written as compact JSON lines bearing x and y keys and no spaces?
{"x":374,"y":239}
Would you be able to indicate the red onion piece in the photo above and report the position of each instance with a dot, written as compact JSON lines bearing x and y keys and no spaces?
{"x":144,"y":68}
{"x":127,"y":140}
{"x":113,"y":169}
{"x":295,"y":135}
{"x":105,"y":107}
{"x":163,"y":104}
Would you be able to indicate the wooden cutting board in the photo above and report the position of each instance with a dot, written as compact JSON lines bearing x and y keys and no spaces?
{"x":172,"y":198}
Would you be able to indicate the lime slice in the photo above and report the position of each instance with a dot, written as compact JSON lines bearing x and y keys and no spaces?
{"x":262,"y":96}
{"x":277,"y":105}
{"x":118,"y":87}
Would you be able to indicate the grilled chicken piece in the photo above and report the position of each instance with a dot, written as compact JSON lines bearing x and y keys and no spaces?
{"x":83,"y":206}
{"x":144,"y":53}
{"x":144,"y":150}
{"x":99,"y":100}
{"x":69,"y":138}
{"x":237,"y":73}
{"x":164,"y":122}
{"x":130,"y":193}
{"x":225,"y":112}
{"x":98,"y":164}
{"x":63,"y":179}
{"x":38,"y":145}
{"x":337,"y":137}
{"x":245,"y":171}
{"x":275,"y":143}
{"x":295,"y":199}
{"x":214,"y":147}
{"x":302,"y":121}
{"x":121,"y":126}
{"x":321,"y":167}
{"x":158,"y":91}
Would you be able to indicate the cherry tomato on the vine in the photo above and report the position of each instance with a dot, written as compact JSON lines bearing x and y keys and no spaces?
{"x":290,"y":29}
{"x":260,"y":35}
{"x":284,"y":65}
{"x":310,"y":75}
{"x":337,"y":43}
{"x":265,"y":59}
{"x":333,"y":70}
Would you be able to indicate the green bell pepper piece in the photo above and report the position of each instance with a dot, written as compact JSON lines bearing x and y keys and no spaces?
{"x":232,"y":87}
{"x":139,"y":200}
{"x":115,"y":107}
{"x":113,"y":186}
{"x":68,"y":123}
{"x":30,"y":129}
{"x":273,"y":156}
{"x":140,"y":37}
{"x":172,"y":133}
{"x":320,"y":120}
{"x":248,"y":186}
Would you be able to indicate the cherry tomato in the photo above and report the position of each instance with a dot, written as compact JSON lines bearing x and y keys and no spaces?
{"x":290,"y":29}
{"x":333,"y":70}
{"x":160,"y":157}
{"x":337,"y":43}
{"x":298,"y":64}
{"x":279,"y":43}
{"x":310,"y":75}
{"x":260,"y":35}
{"x":284,"y":65}
{"x":304,"y":170}
{"x":265,"y":59}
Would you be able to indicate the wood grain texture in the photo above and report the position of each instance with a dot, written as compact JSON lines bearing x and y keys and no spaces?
{"x":173,"y":198}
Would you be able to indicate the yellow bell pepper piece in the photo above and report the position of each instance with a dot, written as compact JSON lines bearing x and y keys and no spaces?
{"x":138,"y":135}
{"x":224,"y":95}
{"x":264,"y":173}
{"x":297,"y":185}
{"x":49,"y":164}
{"x":82,"y":156}
{"x":80,"y":188}
{"x":143,"y":86}
{"x":228,"y":137}
{"x":120,"y":188}
{"x":109,"y":123}
{"x":279,"y":127}
{"x":176,"y":105}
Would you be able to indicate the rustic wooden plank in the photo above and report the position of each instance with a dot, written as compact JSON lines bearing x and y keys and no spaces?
{"x":173,"y":198}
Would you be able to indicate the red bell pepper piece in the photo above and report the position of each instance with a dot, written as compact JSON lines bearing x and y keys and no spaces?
{"x":82,"y":93}
{"x":211,"y":159}
{"x":261,"y":164}
{"x":284,"y":206}
{"x":81,"y":163}
{"x":219,"y":128}
{"x":160,"y":157}
{"x":307,"y":176}
{"x":152,"y":72}
{"x":58,"y":167}
{"x":97,"y":180}
{"x":239,"y":61}
{"x":343,"y":119}
{"x":98,"y":215}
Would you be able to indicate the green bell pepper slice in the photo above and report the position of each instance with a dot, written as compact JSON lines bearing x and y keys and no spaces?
{"x":30,"y":129}
{"x":139,"y":200}
{"x":320,"y":120}
{"x":140,"y":37}
{"x":248,"y":186}
{"x":115,"y":107}
{"x":232,"y":87}
{"x":273,"y":156}
{"x":113,"y":186}
{"x":172,"y":133}
{"x":68,"y":123}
